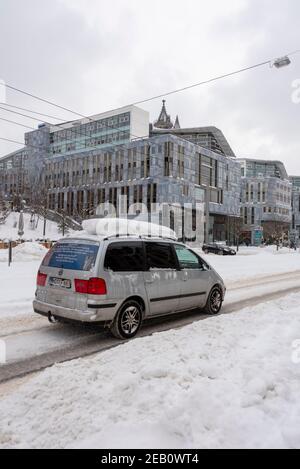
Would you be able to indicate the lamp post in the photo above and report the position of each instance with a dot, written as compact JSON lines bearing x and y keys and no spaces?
{"x":281,"y":62}
{"x":44,"y":226}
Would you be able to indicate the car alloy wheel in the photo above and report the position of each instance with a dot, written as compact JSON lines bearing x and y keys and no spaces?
{"x":214,"y":301}
{"x":128,"y":321}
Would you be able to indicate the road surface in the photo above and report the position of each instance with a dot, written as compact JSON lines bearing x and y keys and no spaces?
{"x":33,"y":344}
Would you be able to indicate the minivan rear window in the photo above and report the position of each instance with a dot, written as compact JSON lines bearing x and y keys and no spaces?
{"x":72,"y":256}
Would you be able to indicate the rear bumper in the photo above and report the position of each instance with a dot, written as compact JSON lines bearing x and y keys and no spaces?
{"x":97,"y":313}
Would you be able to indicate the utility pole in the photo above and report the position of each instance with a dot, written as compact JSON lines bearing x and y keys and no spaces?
{"x":44,"y":228}
{"x":63,"y":224}
{"x":183,"y":224}
{"x":9,"y":253}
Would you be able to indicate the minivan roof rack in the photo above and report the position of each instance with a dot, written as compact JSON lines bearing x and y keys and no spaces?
{"x":137,"y":236}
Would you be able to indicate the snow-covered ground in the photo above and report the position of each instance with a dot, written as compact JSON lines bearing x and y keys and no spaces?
{"x":252,"y":262}
{"x":228,"y":381}
{"x":9,"y":230}
{"x":18,"y":281}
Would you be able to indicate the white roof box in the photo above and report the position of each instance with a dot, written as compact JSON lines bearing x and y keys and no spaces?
{"x":110,"y":227}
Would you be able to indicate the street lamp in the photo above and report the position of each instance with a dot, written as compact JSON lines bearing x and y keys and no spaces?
{"x":281,"y":62}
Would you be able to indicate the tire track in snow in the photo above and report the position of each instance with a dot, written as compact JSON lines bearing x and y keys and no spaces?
{"x":262,"y":279}
{"x":10,"y":326}
{"x":81,"y":343}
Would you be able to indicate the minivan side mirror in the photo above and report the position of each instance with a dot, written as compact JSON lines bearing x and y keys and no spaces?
{"x":203,"y":266}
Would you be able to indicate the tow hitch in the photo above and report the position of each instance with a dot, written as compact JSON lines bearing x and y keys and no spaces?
{"x":52,"y":319}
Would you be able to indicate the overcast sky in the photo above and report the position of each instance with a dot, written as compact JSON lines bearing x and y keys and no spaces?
{"x":95,"y":55}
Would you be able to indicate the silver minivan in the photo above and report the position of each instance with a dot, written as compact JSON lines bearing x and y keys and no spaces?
{"x":120,"y":281}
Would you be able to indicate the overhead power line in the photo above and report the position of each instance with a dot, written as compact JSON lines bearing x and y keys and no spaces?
{"x":168,"y":93}
{"x":40,"y":99}
{"x":210,"y":80}
{"x":220,"y":77}
{"x":72,"y":130}
{"x":16,"y":123}
{"x":77,"y":134}
{"x":20,"y":143}
{"x":33,"y":112}
{"x":12,"y":141}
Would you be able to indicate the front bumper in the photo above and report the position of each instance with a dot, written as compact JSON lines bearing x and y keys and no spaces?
{"x":99,"y":313}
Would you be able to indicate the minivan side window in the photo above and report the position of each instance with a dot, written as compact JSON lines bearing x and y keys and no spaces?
{"x":125,"y":257}
{"x":160,"y":256}
{"x":187,"y":259}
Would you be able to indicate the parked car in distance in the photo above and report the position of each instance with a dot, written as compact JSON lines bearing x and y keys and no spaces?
{"x":119,"y":281}
{"x":219,"y":249}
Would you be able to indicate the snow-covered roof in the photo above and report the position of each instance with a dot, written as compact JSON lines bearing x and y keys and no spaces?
{"x":110,"y":227}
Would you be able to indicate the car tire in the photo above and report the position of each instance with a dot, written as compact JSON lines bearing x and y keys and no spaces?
{"x":206,"y":251}
{"x":127,"y":321}
{"x":214,"y":301}
{"x":221,"y":253}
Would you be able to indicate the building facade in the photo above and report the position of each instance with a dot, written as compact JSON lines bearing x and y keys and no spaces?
{"x":77,"y":166}
{"x":266,"y":199}
{"x":23,"y":171}
{"x":158,"y":170}
{"x":207,"y":137}
{"x":14,"y":178}
{"x":295,"y":228}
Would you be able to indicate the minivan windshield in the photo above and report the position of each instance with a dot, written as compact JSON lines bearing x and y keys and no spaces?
{"x":72,"y":256}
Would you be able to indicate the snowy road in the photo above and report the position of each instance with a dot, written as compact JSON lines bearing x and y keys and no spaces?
{"x":33,"y":344}
{"x":231,"y":381}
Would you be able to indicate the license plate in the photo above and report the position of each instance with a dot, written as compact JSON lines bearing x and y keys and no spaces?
{"x":60,"y":282}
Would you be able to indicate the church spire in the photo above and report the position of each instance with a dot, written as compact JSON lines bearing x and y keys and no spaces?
{"x":164,"y":120}
{"x":177,"y":125}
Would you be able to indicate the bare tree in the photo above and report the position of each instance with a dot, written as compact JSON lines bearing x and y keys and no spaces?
{"x":237,"y":230}
{"x":275,"y":232}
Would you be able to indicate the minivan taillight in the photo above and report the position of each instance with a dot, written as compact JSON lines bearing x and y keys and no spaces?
{"x":97,"y":286}
{"x":93,"y":286}
{"x":41,"y":279}
{"x":81,"y":286}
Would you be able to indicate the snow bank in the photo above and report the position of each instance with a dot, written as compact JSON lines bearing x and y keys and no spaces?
{"x":18,"y":282}
{"x":25,"y":252}
{"x":228,"y":381}
{"x":10,"y":228}
{"x":254,"y":262}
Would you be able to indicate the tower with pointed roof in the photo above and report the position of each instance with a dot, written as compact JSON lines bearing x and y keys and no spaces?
{"x":177,"y":125}
{"x":164,"y":120}
{"x":208,"y":137}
